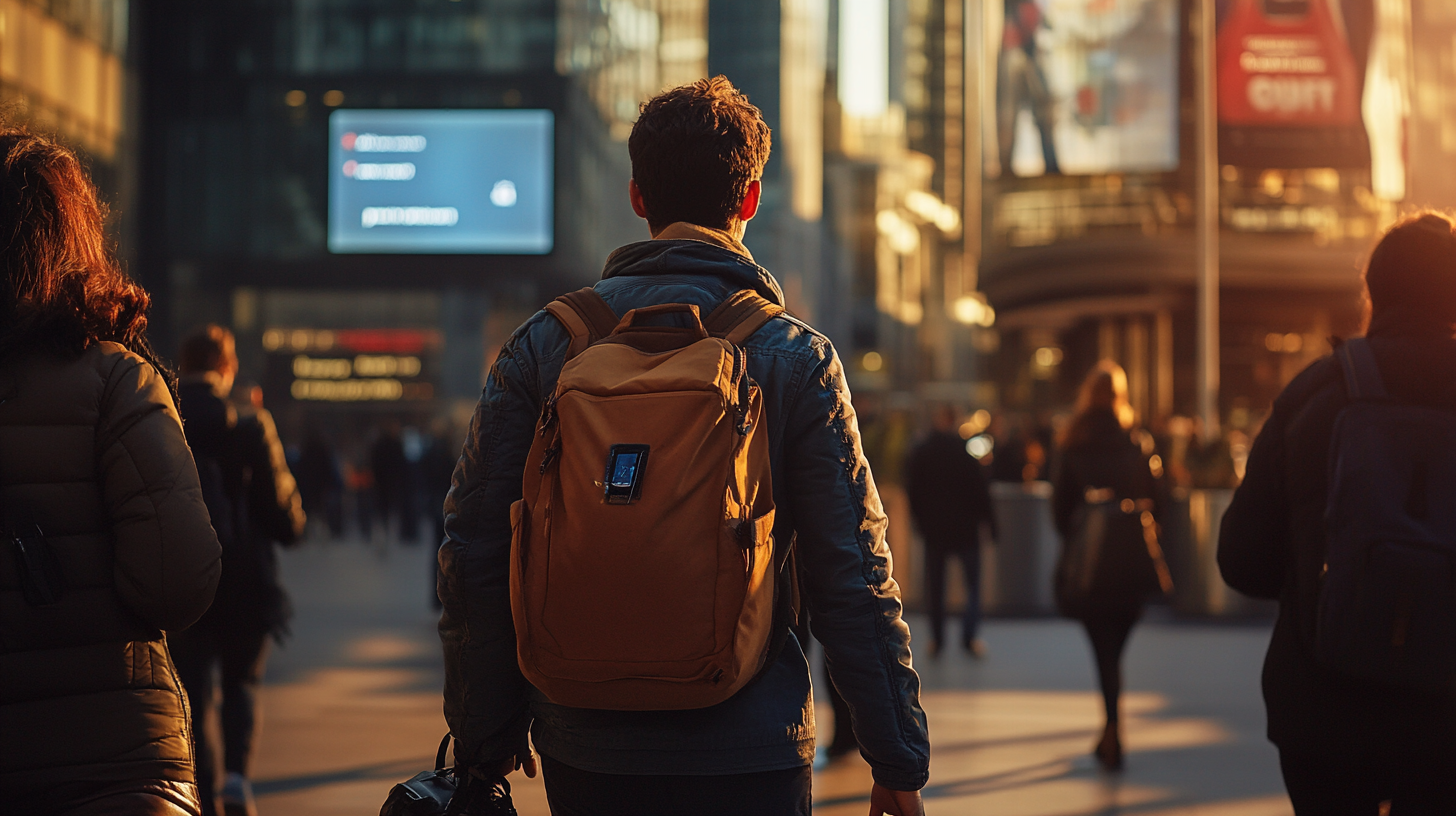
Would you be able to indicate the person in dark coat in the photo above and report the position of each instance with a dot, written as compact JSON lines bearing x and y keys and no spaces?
{"x":391,"y":480}
{"x":319,"y":481}
{"x":102,"y":504}
{"x":1103,"y":459}
{"x":254,"y":502}
{"x":950,"y":499}
{"x":1346,"y":745}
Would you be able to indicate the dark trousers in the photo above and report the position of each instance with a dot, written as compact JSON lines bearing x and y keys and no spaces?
{"x":1108,"y":630}
{"x":1327,"y":781}
{"x":574,"y":792}
{"x":938,"y":551}
{"x":240,"y":658}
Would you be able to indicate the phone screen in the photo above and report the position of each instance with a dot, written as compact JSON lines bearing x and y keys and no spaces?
{"x":624,"y":469}
{"x":624,"y":472}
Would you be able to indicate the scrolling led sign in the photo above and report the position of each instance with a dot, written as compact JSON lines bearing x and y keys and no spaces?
{"x":353,"y":365}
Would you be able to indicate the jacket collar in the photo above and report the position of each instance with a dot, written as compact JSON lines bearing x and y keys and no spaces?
{"x":689,"y":249}
{"x":684,"y":231}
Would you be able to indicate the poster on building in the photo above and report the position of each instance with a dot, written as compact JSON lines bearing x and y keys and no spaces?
{"x":1291,"y":75}
{"x":1084,"y":87}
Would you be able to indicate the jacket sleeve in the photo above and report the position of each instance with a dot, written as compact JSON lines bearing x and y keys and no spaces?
{"x":167,"y":556}
{"x":1253,"y":536}
{"x":486,"y":702}
{"x":273,"y":493}
{"x":845,"y":568}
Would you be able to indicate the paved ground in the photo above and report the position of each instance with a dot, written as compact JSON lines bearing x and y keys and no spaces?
{"x":352,"y":705}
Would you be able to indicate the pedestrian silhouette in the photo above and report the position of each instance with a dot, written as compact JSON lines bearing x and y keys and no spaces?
{"x":254,"y":502}
{"x":1345,"y":515}
{"x":391,"y":481}
{"x":1107,"y":496}
{"x":950,"y":500}
{"x":320,"y":481}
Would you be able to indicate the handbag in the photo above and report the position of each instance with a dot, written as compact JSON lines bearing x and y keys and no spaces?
{"x":1112,"y":557}
{"x":437,"y":792}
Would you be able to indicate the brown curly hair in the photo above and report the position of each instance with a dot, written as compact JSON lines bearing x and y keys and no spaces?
{"x":63,"y":289}
{"x":695,"y":149}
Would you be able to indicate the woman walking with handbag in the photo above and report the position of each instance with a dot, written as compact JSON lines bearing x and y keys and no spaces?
{"x":1107,"y":495}
{"x":109,"y":545}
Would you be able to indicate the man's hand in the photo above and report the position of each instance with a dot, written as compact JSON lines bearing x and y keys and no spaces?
{"x":516,"y":763}
{"x":895,"y":803}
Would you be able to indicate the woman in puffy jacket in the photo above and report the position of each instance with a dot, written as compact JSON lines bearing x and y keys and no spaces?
{"x":107,"y":544}
{"x":1108,"y":479}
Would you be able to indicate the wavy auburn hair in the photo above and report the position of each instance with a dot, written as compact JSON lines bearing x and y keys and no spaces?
{"x":62,"y":288}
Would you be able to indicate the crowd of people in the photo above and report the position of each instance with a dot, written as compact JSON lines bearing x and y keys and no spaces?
{"x":656,"y":677}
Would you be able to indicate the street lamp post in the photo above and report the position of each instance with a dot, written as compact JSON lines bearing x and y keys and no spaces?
{"x":1206,"y":213}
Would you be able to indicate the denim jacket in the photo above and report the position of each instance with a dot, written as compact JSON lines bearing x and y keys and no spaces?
{"x":827,"y":505}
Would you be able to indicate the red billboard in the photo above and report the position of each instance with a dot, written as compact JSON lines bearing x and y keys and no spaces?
{"x":1290,"y":84}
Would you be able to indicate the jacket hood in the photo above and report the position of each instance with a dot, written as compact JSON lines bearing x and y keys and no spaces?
{"x":707,"y":252}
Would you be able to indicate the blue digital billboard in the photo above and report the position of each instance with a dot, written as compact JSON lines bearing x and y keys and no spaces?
{"x":441,"y":181}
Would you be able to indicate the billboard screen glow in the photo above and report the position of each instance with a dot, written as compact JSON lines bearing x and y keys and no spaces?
{"x":1084,"y":86}
{"x":441,"y":181}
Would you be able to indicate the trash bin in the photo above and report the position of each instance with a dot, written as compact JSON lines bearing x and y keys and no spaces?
{"x":1191,"y":536}
{"x":1025,"y":555}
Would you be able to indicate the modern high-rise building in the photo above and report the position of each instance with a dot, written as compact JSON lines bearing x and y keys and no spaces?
{"x":774,"y":51}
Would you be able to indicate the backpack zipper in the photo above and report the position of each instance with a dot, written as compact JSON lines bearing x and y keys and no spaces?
{"x":548,"y":457}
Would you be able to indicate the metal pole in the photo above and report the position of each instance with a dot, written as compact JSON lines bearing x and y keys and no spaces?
{"x":973,"y":55}
{"x":1206,"y":211}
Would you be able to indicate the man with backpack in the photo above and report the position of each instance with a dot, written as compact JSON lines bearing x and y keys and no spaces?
{"x":254,"y":502}
{"x":669,"y":450}
{"x":1347,"y":515}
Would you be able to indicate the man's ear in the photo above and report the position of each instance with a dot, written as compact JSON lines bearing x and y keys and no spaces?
{"x":749,"y":208}
{"x":635,"y":193}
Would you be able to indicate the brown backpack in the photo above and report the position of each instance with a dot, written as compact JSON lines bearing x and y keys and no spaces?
{"x":642,"y":551}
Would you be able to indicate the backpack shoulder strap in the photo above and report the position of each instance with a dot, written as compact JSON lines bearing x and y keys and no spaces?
{"x":1362,"y":374}
{"x":585,"y":315}
{"x":738,"y":317}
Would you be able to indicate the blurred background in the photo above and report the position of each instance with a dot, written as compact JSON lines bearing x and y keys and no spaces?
{"x":975,"y":199}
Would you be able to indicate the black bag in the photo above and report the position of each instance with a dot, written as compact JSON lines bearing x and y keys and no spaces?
{"x":433,"y":793}
{"x":1387,"y":603}
{"x":1112,"y":557}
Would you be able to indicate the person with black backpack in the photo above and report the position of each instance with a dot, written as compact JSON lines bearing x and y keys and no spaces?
{"x":1347,"y":515}
{"x":1107,"y":496}
{"x":656,"y":465}
{"x":254,"y":502}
